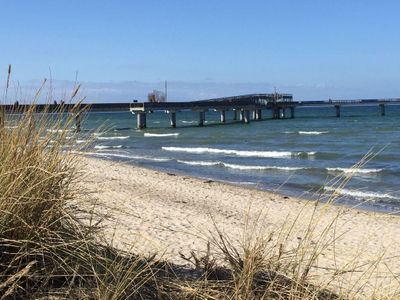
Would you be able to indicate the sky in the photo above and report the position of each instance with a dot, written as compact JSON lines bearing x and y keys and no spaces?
{"x":121,"y":50}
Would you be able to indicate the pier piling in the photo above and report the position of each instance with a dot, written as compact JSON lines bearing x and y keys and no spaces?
{"x":202,"y":116}
{"x":276,"y":114}
{"x":234,"y":114}
{"x":140,"y":120}
{"x":241,"y":116}
{"x":258,"y":114}
{"x":382,"y":107}
{"x":246,"y":116}
{"x":223,"y":116}
{"x":292,"y":112}
{"x":172,"y":118}
{"x":337,"y":107}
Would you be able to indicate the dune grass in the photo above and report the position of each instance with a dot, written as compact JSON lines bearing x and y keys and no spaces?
{"x":48,"y":244}
{"x":51,"y":243}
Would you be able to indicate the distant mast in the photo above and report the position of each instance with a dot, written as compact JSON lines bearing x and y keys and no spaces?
{"x":165,"y":91}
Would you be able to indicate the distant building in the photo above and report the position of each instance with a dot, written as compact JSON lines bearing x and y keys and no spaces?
{"x":156,"y":96}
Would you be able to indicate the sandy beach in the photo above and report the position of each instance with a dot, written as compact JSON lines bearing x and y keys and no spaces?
{"x":169,"y":214}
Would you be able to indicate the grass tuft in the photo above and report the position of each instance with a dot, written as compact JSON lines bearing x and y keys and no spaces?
{"x":51,"y":243}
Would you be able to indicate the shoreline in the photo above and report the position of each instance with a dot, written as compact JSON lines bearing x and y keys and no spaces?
{"x":293,"y":194}
{"x":167,"y":213}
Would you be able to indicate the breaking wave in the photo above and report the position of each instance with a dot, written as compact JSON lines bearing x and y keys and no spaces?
{"x":361,"y":194}
{"x":112,"y":137}
{"x":355,"y":170}
{"x":160,"y":134}
{"x":313,"y":132}
{"x":103,"y":147}
{"x":199,"y":163}
{"x":241,"y":153}
{"x":128,"y":156}
{"x":237,"y":167}
{"x":243,"y":167}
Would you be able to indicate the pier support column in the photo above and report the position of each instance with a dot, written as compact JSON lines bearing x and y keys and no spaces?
{"x":202,"y":117}
{"x":234,"y":114}
{"x":172,"y":118}
{"x":382,"y":107}
{"x":284,"y":113}
{"x":241,"y":117}
{"x":292,"y":112}
{"x":141,"y":120}
{"x":254,"y":115}
{"x":337,"y":107}
{"x":222,"y":116}
{"x":276,"y":113}
{"x":246,"y":116}
{"x":258,"y":114}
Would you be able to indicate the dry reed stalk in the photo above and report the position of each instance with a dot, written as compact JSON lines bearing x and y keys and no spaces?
{"x":47,"y":245}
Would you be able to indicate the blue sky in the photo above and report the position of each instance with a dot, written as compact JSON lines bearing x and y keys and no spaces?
{"x":121,"y":49}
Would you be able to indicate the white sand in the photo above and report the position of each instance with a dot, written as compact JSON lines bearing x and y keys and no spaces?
{"x":168,"y":214}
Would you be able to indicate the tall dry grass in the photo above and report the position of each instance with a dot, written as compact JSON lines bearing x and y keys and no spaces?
{"x":285,"y":261}
{"x":51,"y":246}
{"x":51,"y":243}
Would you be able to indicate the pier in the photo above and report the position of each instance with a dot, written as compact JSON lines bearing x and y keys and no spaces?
{"x":281,"y":106}
{"x":241,"y":105}
{"x":244,"y":108}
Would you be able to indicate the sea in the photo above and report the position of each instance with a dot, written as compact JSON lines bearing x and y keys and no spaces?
{"x":309,"y":156}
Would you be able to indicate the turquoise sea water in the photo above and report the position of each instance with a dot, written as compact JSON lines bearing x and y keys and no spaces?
{"x":297,"y":157}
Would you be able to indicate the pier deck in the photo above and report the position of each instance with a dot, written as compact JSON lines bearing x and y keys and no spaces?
{"x":255,"y":103}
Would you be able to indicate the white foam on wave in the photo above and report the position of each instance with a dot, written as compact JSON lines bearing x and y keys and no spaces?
{"x":147,"y":134}
{"x":243,"y":167}
{"x":237,"y":167}
{"x":188,"y":122}
{"x":112,"y":137}
{"x":129,"y":156}
{"x":199,"y":163}
{"x":103,"y":147}
{"x":313,"y":132}
{"x":241,"y":153}
{"x":360,"y":194}
{"x":355,"y":170}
